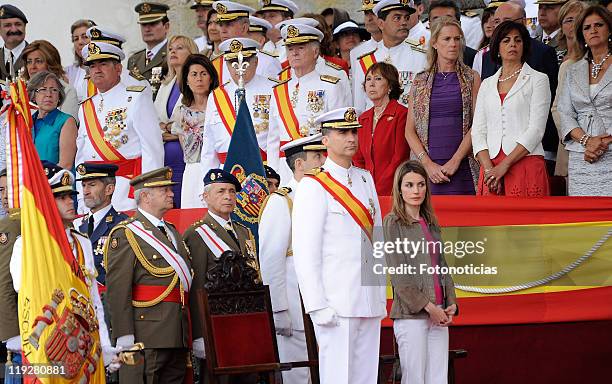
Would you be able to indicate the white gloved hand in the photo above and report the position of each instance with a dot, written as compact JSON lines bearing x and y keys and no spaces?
{"x":125,"y":342}
{"x":198,"y":348}
{"x":14,"y":344}
{"x":109,"y":354}
{"x":325,"y":317}
{"x":282,"y":323}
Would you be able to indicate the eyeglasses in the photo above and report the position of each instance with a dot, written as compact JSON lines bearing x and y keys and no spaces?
{"x":48,"y":91}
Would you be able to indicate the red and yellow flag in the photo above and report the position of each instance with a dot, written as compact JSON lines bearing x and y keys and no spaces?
{"x":57,"y":319}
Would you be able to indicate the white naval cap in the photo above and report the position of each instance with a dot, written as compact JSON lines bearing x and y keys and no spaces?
{"x":101,"y":51}
{"x":341,"y":118}
{"x":298,"y":20}
{"x":229,"y":10}
{"x":257,"y":24}
{"x":294,"y":33}
{"x":279,"y":5}
{"x":304,"y":144}
{"x":231,"y":47}
{"x":351,"y":26}
{"x":99,"y":34}
{"x":390,"y":5}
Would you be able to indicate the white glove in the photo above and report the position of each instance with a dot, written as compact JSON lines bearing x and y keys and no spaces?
{"x":125,"y":342}
{"x":109,"y":354}
{"x":282,"y":323}
{"x":14,"y":344}
{"x":325,"y":317}
{"x":198,"y":348}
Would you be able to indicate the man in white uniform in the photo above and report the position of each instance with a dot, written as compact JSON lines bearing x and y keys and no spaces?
{"x":299,"y":100}
{"x":393,"y":20}
{"x":118,"y":125}
{"x":222,"y":105}
{"x":61,"y":182}
{"x":275,"y":12}
{"x":276,"y":261}
{"x":234,"y":22}
{"x":332,"y":243}
{"x":370,"y":22}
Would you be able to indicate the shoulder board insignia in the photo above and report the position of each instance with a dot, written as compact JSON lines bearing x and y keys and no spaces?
{"x":75,"y":231}
{"x":314,"y":171}
{"x":274,"y":79}
{"x":126,"y":221}
{"x":84,"y":100}
{"x":135,"y":88}
{"x":197,"y":224}
{"x":268,"y":53}
{"x":109,"y":219}
{"x":330,"y":79}
{"x":366,"y":54}
{"x":240,"y":224}
{"x":418,"y":48}
{"x":281,"y":82}
{"x":333,"y":65}
{"x":283,"y":191}
{"x":470,"y":13}
{"x":412,"y":42}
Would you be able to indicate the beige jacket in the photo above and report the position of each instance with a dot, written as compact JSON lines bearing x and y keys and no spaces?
{"x":412,"y":292}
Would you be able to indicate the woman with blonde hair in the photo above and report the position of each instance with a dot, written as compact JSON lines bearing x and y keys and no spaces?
{"x":41,"y":55}
{"x":423,"y":303}
{"x":167,"y":103}
{"x":440,"y":111}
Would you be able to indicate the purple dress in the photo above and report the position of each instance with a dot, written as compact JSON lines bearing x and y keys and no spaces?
{"x":446,"y":134}
{"x":173,"y":153}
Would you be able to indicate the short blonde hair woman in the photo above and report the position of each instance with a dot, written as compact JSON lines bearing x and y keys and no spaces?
{"x":423,"y":304}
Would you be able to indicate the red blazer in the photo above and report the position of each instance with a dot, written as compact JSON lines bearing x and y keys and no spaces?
{"x":384,"y":152}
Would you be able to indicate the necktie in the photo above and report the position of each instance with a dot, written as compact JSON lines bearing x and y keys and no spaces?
{"x":10,"y":61}
{"x":149,"y":57}
{"x":162,"y":228}
{"x":90,"y":226}
{"x":228,"y":228}
{"x":546,"y":40}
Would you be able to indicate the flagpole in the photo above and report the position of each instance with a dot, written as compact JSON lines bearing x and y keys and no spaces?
{"x":240,"y":67}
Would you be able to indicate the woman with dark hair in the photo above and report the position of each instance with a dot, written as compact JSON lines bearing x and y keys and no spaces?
{"x":198,"y":79}
{"x":423,"y":303}
{"x":54,"y":131}
{"x":382,"y":146}
{"x":214,"y":36}
{"x":41,"y":55}
{"x":584,"y":107}
{"x":441,"y":108}
{"x":76,"y":72}
{"x":486,"y":22}
{"x":510,"y":119}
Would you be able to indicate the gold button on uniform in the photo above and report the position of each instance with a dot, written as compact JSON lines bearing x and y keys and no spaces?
{"x":141,"y":317}
{"x":155,"y":257}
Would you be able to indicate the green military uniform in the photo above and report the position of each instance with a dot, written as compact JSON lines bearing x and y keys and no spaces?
{"x":10,"y":229}
{"x":145,"y":296}
{"x":137,"y":63}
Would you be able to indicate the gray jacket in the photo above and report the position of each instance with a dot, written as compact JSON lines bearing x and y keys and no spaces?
{"x":412,"y":292}
{"x":577,"y":109}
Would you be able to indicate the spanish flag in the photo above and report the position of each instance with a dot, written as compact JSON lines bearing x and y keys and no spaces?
{"x":57,"y":320}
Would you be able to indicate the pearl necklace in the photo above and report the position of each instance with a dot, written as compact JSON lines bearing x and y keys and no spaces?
{"x":509,"y":77}
{"x":597,"y":66}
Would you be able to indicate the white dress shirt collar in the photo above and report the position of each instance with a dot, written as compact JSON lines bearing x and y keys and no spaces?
{"x":16,"y":51}
{"x":222,"y":222}
{"x":154,"y":220}
{"x":551,"y":36}
{"x":343,"y":175}
{"x":99,"y":215}
{"x":156,"y":48}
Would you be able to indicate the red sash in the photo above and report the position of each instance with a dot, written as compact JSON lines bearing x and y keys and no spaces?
{"x":350,"y":202}
{"x":286,"y":112}
{"x":225,"y":108}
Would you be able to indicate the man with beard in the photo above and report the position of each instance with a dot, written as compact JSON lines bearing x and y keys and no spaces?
{"x":98,"y":184}
{"x":394,"y":48}
{"x":13,"y":31}
{"x":61,"y":182}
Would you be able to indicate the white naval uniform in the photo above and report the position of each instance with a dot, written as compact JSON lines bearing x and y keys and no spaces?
{"x":201,"y":42}
{"x":15,"y":270}
{"x":419,"y":30}
{"x":472,"y":29}
{"x":404,"y":57}
{"x":139,"y":130}
{"x":216,"y":137}
{"x":315,"y":97}
{"x":278,"y":272}
{"x":277,"y":49}
{"x":325,"y":67}
{"x":327,"y":252}
{"x":356,"y":52}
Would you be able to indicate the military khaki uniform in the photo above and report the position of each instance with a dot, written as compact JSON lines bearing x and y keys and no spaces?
{"x":139,"y":69}
{"x":10,"y":229}
{"x":160,"y":323}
